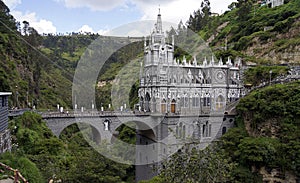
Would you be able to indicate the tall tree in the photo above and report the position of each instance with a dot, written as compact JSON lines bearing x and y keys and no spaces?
{"x":244,"y":8}
{"x":201,"y":17}
{"x":7,"y":21}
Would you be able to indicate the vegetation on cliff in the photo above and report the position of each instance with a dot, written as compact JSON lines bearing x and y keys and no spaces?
{"x":252,"y":31}
{"x":40,"y":156}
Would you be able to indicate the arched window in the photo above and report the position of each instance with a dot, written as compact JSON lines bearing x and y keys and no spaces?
{"x":224,"y":130}
{"x":206,"y":100}
{"x":147,"y":102}
{"x":153,"y":104}
{"x":163,"y":106}
{"x":196,"y":101}
{"x":185,"y":100}
{"x":142,"y":103}
{"x":220,"y":102}
{"x":173,"y":106}
{"x":180,"y":130}
{"x":206,"y":130}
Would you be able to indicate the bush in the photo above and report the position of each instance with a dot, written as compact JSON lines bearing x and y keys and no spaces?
{"x":26,"y":167}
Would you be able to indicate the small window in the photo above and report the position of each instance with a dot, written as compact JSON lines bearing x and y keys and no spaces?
{"x":224,"y":130}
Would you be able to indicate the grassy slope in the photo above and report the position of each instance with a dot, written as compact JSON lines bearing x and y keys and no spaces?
{"x":247,"y":38}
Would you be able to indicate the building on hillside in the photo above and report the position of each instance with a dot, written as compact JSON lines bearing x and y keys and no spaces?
{"x":5,"y":139}
{"x":187,"y":87}
{"x":274,"y":3}
{"x":187,"y":100}
{"x":214,"y":14}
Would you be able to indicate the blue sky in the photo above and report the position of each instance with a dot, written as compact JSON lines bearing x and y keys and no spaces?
{"x":62,"y":16}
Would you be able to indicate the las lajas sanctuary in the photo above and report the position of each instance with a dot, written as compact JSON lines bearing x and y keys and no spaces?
{"x":168,"y":86}
{"x":193,"y":98}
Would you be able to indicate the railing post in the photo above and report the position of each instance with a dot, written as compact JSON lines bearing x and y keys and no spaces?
{"x":16,"y":175}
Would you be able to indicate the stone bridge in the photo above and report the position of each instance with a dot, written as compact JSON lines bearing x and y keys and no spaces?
{"x":105,"y":124}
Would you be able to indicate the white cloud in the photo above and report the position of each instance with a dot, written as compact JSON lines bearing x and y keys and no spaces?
{"x":44,"y":26}
{"x":220,"y":6}
{"x":171,"y":10}
{"x":41,"y":25}
{"x":11,"y":4}
{"x":86,"y":29}
{"x":176,"y":10}
{"x":103,"y":31}
{"x":102,"y":5}
{"x":139,"y":28}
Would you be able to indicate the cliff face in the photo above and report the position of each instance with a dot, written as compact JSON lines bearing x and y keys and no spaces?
{"x":271,"y":119}
{"x":266,"y":35}
{"x":282,"y":47}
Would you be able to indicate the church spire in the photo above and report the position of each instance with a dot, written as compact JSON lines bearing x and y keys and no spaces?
{"x":159,"y":22}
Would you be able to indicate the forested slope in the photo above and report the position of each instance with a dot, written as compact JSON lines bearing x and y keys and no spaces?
{"x":252,"y":31}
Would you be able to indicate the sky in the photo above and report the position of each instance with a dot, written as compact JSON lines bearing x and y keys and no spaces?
{"x":102,"y":16}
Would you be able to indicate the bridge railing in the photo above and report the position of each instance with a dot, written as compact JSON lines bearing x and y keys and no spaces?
{"x":52,"y":114}
{"x":17,"y":112}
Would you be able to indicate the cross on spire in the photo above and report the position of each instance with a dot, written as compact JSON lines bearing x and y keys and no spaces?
{"x":159,"y":9}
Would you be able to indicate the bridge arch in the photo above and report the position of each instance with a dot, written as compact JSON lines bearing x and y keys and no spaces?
{"x":88,"y":131}
{"x":97,"y":127}
{"x":141,"y":128}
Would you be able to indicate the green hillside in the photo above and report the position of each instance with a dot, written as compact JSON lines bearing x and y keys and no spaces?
{"x":27,"y":69}
{"x":252,"y":31}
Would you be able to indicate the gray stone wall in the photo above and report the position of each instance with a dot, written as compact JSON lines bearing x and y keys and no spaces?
{"x":3,"y":113}
{"x":5,"y":141}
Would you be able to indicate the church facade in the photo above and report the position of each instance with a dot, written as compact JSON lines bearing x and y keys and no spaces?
{"x":168,"y":85}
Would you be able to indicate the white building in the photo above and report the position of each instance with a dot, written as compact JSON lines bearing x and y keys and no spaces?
{"x":274,"y":3}
{"x":187,"y":87}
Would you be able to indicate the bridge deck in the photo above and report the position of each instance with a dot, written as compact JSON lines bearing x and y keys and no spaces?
{"x":95,"y":114}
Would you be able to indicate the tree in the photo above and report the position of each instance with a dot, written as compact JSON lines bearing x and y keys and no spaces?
{"x":244,"y":8}
{"x":7,"y":22}
{"x":201,"y":17}
{"x":193,"y":165}
{"x":25,"y":27}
